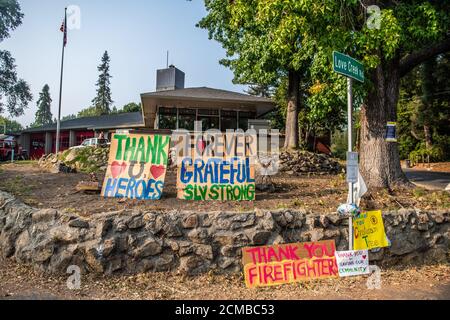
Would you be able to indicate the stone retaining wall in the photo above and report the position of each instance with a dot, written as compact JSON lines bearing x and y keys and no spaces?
{"x":132,"y":242}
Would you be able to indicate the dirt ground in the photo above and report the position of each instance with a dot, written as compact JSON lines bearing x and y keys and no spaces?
{"x":22,"y":282}
{"x":42,"y":189}
{"x":436,"y":167}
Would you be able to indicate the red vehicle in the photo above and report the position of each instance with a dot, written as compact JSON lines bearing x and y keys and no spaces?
{"x":7,"y":144}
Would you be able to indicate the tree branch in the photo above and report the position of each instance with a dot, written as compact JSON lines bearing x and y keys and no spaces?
{"x":414,"y":59}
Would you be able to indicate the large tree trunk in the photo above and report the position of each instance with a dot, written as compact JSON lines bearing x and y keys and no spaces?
{"x":291,"y":141}
{"x":379,"y":159}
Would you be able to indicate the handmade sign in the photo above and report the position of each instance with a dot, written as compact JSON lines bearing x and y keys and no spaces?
{"x":369,"y":231}
{"x":222,"y":168}
{"x":287,"y":263}
{"x":352,"y":262}
{"x":216,"y":179}
{"x":136,"y":167}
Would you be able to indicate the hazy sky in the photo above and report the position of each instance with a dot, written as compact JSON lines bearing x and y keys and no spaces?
{"x":136,"y":34}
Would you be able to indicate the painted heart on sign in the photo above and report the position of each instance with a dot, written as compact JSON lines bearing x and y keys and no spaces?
{"x":117,"y":168}
{"x":201,"y":146}
{"x":157,"y":171}
{"x":364,"y":256}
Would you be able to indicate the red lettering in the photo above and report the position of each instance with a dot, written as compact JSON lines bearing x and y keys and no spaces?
{"x":333,"y":267}
{"x":267,"y":273}
{"x":284,"y":254}
{"x":330,"y":253}
{"x":271,"y":254}
{"x":277,"y":274}
{"x":251,"y":274}
{"x":287,"y":267}
{"x":255,"y":253}
{"x":292,"y":253}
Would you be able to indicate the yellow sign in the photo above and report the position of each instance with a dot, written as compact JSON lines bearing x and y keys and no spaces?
{"x":369,"y":231}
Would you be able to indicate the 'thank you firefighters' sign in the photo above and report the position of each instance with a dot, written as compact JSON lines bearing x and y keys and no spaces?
{"x":287,"y":263}
{"x":137,"y":166}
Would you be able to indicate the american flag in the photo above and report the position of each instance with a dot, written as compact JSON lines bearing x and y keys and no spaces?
{"x":64,"y":29}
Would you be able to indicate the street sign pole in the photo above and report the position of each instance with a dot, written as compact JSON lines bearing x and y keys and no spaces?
{"x":353,"y":70}
{"x":349,"y":128}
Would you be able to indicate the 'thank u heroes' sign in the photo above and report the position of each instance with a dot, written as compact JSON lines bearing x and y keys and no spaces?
{"x":137,"y":166}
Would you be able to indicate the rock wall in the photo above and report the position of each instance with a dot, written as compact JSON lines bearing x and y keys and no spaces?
{"x":132,"y":242}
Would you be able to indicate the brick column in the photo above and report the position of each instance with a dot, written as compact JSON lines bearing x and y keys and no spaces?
{"x":48,"y":142}
{"x":72,"y":138}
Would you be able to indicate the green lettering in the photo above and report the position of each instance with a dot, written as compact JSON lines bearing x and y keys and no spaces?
{"x":130,"y":149}
{"x":120,"y":138}
{"x":140,"y":151}
{"x":203,"y":192}
{"x":251,"y":192}
{"x":229,"y":192}
{"x":214,"y":194}
{"x":161,"y":149}
{"x":151,"y":149}
{"x":188,"y":192}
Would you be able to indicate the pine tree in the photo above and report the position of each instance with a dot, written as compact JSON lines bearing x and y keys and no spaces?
{"x":44,"y":114}
{"x":103,"y":101}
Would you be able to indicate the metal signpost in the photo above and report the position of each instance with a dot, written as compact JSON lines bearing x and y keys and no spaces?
{"x":352,"y":69}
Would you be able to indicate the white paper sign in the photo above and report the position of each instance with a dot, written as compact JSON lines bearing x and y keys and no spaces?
{"x":352,"y":263}
{"x":352,"y":167}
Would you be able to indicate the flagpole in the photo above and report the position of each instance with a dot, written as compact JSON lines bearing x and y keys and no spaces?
{"x":58,"y":122}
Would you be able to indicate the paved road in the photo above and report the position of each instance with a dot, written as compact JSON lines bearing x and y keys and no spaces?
{"x":435,"y":180}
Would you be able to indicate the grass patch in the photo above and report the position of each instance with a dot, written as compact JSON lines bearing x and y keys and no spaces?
{"x":25,"y":162}
{"x":17,"y":186}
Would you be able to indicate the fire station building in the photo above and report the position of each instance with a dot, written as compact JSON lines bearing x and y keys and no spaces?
{"x":170,"y":107}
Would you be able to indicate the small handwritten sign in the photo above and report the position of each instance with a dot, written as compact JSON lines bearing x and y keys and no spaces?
{"x":136,"y":167}
{"x":369,"y":231}
{"x":352,"y":262}
{"x":287,"y":263}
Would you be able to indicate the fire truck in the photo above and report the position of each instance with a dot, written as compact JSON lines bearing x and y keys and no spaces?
{"x":8,"y":144}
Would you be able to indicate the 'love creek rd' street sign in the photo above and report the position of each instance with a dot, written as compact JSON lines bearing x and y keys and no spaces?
{"x":348,"y":66}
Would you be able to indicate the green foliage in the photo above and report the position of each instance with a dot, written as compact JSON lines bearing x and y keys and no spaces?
{"x":14,"y":92}
{"x":102,"y":102}
{"x":422,"y":154}
{"x":260,"y":90}
{"x":425,"y":100}
{"x":68,"y":117}
{"x":265,"y":39}
{"x":12,"y":126}
{"x":11,"y":17}
{"x":89,"y":112}
{"x":131,"y":107}
{"x":87,"y":160}
{"x":339,"y":144}
{"x":43,"y":114}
